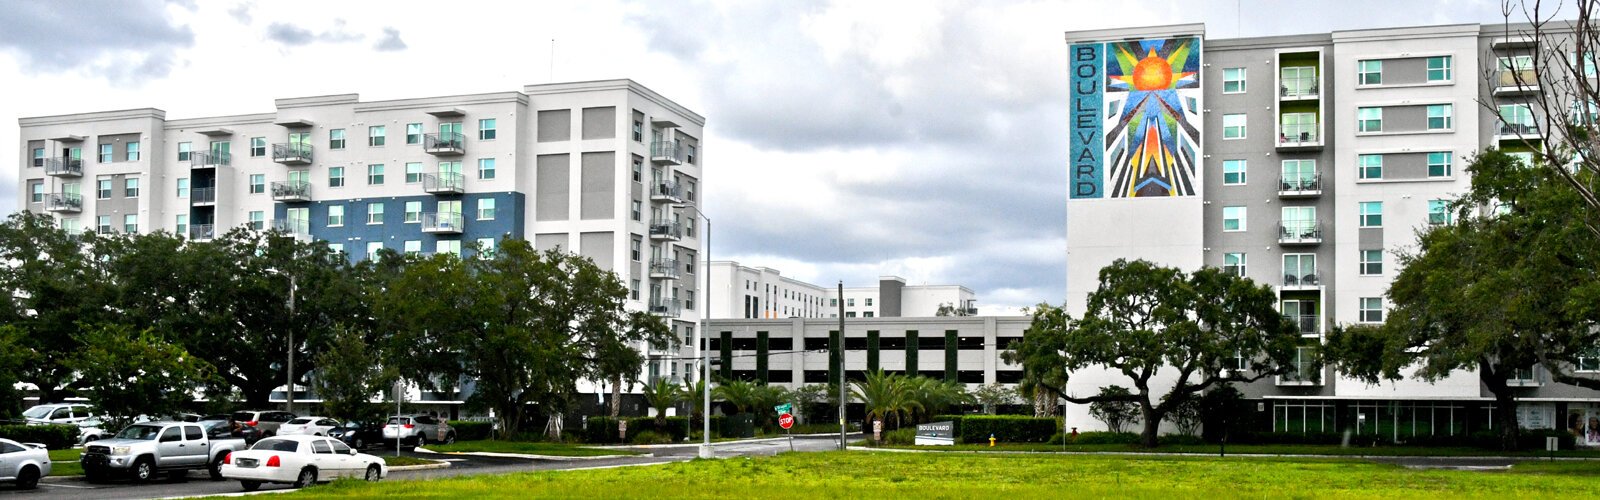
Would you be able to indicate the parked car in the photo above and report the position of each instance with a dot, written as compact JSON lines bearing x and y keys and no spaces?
{"x":59,"y":413}
{"x":247,"y":433}
{"x":266,"y":422}
{"x":359,"y":434}
{"x":314,"y":426}
{"x":301,"y":461}
{"x":418,"y":430}
{"x":90,"y":429}
{"x":143,"y":450}
{"x":23,"y":464}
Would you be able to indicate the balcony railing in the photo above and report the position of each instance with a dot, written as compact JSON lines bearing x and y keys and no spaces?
{"x":441,"y":222}
{"x":203,"y":196}
{"x":202,"y":232}
{"x":1294,"y":280}
{"x":63,"y":167}
{"x":663,"y":307}
{"x":664,"y":269}
{"x":1301,"y":185}
{"x":1515,"y":81}
{"x":666,"y":152}
{"x":211,"y":159}
{"x":64,"y":202}
{"x":1304,"y":373}
{"x":1299,"y":136}
{"x":291,"y":191}
{"x":666,"y":191}
{"x":1294,"y":232}
{"x":1299,"y":87}
{"x":294,"y":153}
{"x":444,"y":183}
{"x":299,"y":228}
{"x":444,"y":144}
{"x":1306,"y":324}
{"x":666,"y":230}
{"x":1517,"y":130}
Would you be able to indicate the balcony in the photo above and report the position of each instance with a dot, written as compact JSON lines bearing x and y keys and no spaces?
{"x":203,"y":196}
{"x":211,"y":159}
{"x":202,"y":232}
{"x":441,"y":222}
{"x":1306,"y":324}
{"x":1302,"y":186}
{"x":66,"y":203}
{"x":444,"y":183}
{"x":63,"y":167}
{"x":1517,"y":132}
{"x":1295,"y":281}
{"x":668,"y":308}
{"x":1299,"y":233}
{"x":448,"y":144}
{"x":292,"y":191}
{"x":666,"y":269}
{"x":1517,"y":41}
{"x":666,"y":153}
{"x":1299,"y":138}
{"x":666,"y":192}
{"x":666,"y":230}
{"x":1302,"y":375}
{"x":297,"y":153}
{"x":300,"y":229}
{"x":1515,"y":82}
{"x":1299,"y":89}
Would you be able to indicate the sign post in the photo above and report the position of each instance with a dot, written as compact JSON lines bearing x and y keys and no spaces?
{"x":786,"y":421}
{"x":877,"y":430}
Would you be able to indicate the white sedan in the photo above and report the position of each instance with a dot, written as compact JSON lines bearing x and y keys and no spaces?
{"x":23,"y":464}
{"x":301,"y":461}
{"x":311,"y":426}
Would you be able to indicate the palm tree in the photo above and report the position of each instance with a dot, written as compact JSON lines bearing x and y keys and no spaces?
{"x":661,"y":395}
{"x":935,"y":396}
{"x":739,"y":393}
{"x":885,"y":395}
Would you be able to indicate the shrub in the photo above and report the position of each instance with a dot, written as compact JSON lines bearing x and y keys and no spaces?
{"x":1005,"y":428}
{"x":603,"y":430}
{"x":1117,"y":415}
{"x":904,"y":436}
{"x":1105,"y":438}
{"x":467,"y":430}
{"x":55,"y":437}
{"x":650,"y":437}
{"x":1181,"y":440}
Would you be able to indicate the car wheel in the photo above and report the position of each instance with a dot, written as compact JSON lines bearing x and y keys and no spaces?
{"x":216,"y":467}
{"x":422,"y":441}
{"x":250,"y":485}
{"x":308,"y":477}
{"x":144,"y":470}
{"x":358,"y":444}
{"x":28,"y":477}
{"x":373,"y":474}
{"x":450,"y":438}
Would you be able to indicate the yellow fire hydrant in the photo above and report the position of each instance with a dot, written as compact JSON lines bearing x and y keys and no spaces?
{"x":991,"y":440}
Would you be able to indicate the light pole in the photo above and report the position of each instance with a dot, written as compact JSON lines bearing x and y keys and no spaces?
{"x":288,"y":399}
{"x":703,"y":356}
{"x":842,"y":400}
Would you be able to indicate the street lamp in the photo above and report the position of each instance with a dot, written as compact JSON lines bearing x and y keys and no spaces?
{"x":288,"y":399}
{"x":699,"y":335}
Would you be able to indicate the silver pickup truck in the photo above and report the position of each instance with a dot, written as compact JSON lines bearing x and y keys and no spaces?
{"x":142,"y":450}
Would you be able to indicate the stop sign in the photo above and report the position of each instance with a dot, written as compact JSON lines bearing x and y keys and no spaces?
{"x":786,"y":421}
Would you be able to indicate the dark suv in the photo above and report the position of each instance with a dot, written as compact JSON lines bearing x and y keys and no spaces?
{"x":266,"y":422}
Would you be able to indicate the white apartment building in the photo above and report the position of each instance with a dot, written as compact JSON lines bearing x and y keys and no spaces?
{"x":760,"y":292}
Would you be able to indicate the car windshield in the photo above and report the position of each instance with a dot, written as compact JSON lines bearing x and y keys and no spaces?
{"x":140,"y":432}
{"x":276,"y":445}
{"x":300,"y":421}
{"x":244,"y":416}
{"x":38,"y":411}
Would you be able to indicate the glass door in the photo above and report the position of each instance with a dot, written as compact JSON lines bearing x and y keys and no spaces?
{"x":299,"y":220}
{"x":1299,"y":222}
{"x":300,"y":143}
{"x":1299,"y":81}
{"x":1299,"y":127}
{"x":1300,"y":269}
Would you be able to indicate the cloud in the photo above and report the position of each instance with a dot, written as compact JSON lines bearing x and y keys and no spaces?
{"x":125,"y":42}
{"x":241,"y":13}
{"x":391,"y":41}
{"x":293,"y":35}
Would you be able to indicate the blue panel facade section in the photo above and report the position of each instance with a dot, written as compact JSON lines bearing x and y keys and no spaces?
{"x":508,"y":221}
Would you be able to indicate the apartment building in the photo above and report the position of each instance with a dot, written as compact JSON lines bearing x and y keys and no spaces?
{"x":1305,"y":162}
{"x":761,"y":292}
{"x":607,"y":169}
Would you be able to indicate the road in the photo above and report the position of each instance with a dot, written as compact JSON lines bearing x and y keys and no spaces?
{"x":197,"y":483}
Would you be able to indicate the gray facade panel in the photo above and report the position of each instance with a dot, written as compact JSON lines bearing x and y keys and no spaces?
{"x":889,"y":297}
{"x":1370,"y":237}
{"x":1405,"y":166}
{"x":600,"y":123}
{"x":555,"y":125}
{"x":598,"y":184}
{"x":1405,"y":118}
{"x":554,"y":173}
{"x":549,"y":241}
{"x":597,"y":246}
{"x":1404,"y":71}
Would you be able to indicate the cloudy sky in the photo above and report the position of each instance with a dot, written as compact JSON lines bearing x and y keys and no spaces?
{"x":844,"y":140}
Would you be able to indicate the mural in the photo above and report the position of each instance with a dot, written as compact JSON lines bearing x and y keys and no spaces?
{"x":1135,"y":116}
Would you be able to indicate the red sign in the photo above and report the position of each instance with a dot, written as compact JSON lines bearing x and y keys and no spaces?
{"x":786,"y":420}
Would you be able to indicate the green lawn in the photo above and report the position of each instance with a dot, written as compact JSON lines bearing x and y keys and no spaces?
{"x":65,"y":462}
{"x":1264,"y":449}
{"x":964,"y":475}
{"x":524,"y":447}
{"x":393,"y":461}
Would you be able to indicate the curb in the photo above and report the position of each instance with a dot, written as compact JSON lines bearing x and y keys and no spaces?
{"x":438,"y":465}
{"x":557,"y":458}
{"x":713,"y":443}
{"x":1249,"y":455}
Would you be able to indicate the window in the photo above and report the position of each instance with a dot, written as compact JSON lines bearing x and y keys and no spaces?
{"x":1589,"y":361}
{"x":1298,"y":81}
{"x":1233,"y":172}
{"x":258,"y":183}
{"x":1439,"y":116}
{"x":183,"y":224}
{"x":1439,"y":69}
{"x":377,"y":135}
{"x":413,"y":212}
{"x":1371,"y":262}
{"x":413,"y":173}
{"x":486,"y":168}
{"x":375,"y":213}
{"x":486,"y":129}
{"x":689,"y":153}
{"x":1438,"y":212}
{"x":1516,"y":119}
{"x":130,"y":187}
{"x":258,"y":220}
{"x":336,"y":138}
{"x":103,"y":224}
{"x":486,"y":209}
{"x":38,"y":192}
{"x":183,"y":187}
{"x":103,"y":189}
{"x":1299,"y":223}
{"x":184,"y":149}
{"x":1233,"y":263}
{"x":413,"y":246}
{"x":851,"y":302}
{"x":258,"y":146}
{"x":1371,"y":214}
{"x":130,"y":223}
{"x":869,"y":301}
{"x":688,"y":227}
{"x":1233,"y":126}
{"x":688,"y":300}
{"x":1299,"y":175}
{"x":335,"y":176}
{"x":38,"y":157}
{"x":688,"y":190}
{"x":634,"y":249}
{"x":452,"y":247}
{"x":1369,"y":72}
{"x":1371,"y":310}
{"x":1300,"y":269}
{"x":1233,"y":80}
{"x":335,"y":215}
{"x":637,"y":207}
{"x":1369,"y":166}
{"x":374,"y":174}
{"x":372,"y":249}
{"x":1439,"y":164}
{"x":638,"y":166}
{"x":413,"y":133}
{"x":638,"y":132}
{"x":1233,"y":218}
{"x":1369,"y":119}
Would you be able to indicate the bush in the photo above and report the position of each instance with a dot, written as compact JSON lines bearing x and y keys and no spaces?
{"x":603,"y":430}
{"x":467,"y":430}
{"x":1005,"y":428}
{"x":650,"y":437}
{"x":906,"y":436}
{"x":1101,"y":438}
{"x":1181,"y":440}
{"x":55,"y":437}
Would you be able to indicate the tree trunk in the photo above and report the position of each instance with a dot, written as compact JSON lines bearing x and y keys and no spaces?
{"x":616,"y":395}
{"x":1152,"y":424}
{"x":552,"y":428}
{"x":1505,"y":414}
{"x":1044,"y":404}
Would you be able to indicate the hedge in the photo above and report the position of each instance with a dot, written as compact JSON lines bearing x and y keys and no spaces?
{"x":55,"y":437}
{"x":603,"y":430}
{"x":1005,"y":428}
{"x":467,"y":430}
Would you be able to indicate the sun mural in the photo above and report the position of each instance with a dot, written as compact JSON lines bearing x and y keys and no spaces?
{"x":1151,"y":140}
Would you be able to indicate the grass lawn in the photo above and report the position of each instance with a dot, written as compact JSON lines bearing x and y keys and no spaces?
{"x":393,"y":461}
{"x":65,"y":462}
{"x":524,"y":447}
{"x":1266,"y":449}
{"x":964,"y":475}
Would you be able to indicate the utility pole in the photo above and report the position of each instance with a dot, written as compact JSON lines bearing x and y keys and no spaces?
{"x":842,"y":398}
{"x":288,"y":400}
{"x":703,"y":347}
